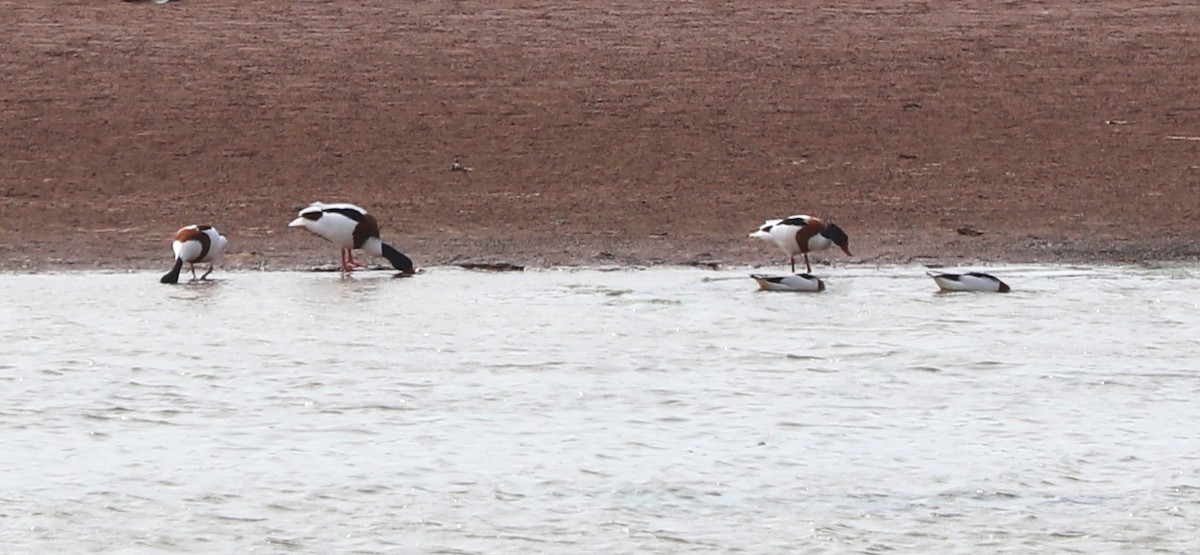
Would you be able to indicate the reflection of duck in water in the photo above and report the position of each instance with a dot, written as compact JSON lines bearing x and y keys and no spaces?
{"x":195,"y":244}
{"x":970,"y":281}
{"x":801,"y":235}
{"x":796,"y":282}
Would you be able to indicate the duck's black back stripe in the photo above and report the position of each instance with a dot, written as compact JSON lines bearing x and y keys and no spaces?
{"x":347,"y":212}
{"x":205,"y":244}
{"x":983,"y":276}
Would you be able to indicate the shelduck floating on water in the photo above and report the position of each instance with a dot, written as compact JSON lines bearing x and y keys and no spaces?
{"x":970,"y":281}
{"x":797,"y":282}
{"x":195,"y":244}
{"x":350,"y":227}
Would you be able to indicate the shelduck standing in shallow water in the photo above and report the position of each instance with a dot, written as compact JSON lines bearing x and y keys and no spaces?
{"x":350,"y":227}
{"x":802,"y":234}
{"x":195,"y":244}
{"x":970,"y":281}
{"x":797,"y":282}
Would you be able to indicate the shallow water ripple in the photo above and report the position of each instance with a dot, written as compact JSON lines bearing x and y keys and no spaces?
{"x":654,"y":411}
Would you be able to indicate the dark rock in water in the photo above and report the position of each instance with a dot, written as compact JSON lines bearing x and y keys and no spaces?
{"x":493,"y":266}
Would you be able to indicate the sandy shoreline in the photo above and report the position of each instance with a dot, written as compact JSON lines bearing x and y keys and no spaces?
{"x":604,"y":133}
{"x":297,"y":251}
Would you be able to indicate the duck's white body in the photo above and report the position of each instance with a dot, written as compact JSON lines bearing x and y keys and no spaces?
{"x":338,"y":223}
{"x":796,"y":282}
{"x":800,"y":235}
{"x":349,"y":227}
{"x":195,"y":244}
{"x":970,"y":281}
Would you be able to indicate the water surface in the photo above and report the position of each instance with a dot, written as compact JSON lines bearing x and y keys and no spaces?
{"x":655,"y":411}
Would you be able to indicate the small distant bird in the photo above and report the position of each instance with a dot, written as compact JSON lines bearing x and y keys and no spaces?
{"x":802,"y":234}
{"x":458,"y":167}
{"x":796,"y":282}
{"x":970,"y":281}
{"x":195,"y":244}
{"x":350,"y":227}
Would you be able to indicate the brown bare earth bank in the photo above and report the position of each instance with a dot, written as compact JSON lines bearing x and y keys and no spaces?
{"x":601,"y":133}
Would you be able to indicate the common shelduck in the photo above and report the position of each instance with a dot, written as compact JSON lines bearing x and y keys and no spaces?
{"x":350,"y":227}
{"x":802,"y":234}
{"x":796,"y":282}
{"x":195,"y":244}
{"x":970,"y":281}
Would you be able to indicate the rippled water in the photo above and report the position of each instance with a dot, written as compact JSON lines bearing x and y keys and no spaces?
{"x":655,"y":411}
